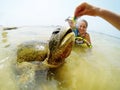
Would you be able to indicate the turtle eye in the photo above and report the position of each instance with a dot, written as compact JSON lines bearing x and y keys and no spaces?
{"x":56,"y":31}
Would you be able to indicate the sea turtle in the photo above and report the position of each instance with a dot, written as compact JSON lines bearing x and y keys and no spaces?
{"x":36,"y":58}
{"x":51,"y":53}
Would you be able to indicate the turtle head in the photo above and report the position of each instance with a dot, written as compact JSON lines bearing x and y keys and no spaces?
{"x":60,"y":46}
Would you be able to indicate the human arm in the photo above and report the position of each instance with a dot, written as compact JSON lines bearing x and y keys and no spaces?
{"x":87,"y":9}
{"x":87,"y":40}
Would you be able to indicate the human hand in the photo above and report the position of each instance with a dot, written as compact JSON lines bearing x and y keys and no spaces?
{"x":85,"y":9}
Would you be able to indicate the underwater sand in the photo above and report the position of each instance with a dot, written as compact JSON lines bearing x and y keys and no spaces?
{"x":85,"y":69}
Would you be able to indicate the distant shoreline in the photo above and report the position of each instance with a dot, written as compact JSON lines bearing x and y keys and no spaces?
{"x":54,"y":26}
{"x":9,"y":28}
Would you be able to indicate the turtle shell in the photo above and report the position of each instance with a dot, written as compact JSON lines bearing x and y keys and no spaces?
{"x":32,"y":51}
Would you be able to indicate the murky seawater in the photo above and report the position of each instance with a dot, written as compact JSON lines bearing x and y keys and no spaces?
{"x":85,"y":69}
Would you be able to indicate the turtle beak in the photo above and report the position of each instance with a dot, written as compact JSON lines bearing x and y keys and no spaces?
{"x":67,"y":38}
{"x":60,"y":37}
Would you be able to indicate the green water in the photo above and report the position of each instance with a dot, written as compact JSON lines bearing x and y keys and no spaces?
{"x":85,"y":69}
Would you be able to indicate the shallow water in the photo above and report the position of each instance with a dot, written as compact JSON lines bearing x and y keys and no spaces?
{"x":85,"y":69}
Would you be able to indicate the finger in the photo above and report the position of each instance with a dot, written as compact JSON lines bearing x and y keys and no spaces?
{"x":80,"y":9}
{"x":77,"y":11}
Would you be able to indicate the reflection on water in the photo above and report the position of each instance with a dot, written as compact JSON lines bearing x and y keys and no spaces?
{"x":85,"y":69}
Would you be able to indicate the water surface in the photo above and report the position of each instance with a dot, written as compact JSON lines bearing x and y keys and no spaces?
{"x":85,"y":69}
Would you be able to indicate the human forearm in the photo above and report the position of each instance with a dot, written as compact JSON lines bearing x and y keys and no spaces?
{"x":109,"y":16}
{"x":87,"y":9}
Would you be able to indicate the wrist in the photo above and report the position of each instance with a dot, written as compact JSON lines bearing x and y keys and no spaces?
{"x":94,"y":11}
{"x":98,"y":11}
